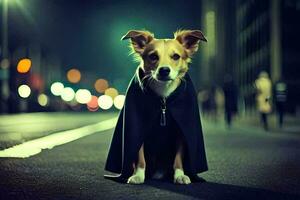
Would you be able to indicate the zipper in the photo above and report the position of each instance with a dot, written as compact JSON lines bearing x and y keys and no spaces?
{"x":163,"y":120}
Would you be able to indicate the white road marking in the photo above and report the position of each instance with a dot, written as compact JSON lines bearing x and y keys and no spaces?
{"x":36,"y":146}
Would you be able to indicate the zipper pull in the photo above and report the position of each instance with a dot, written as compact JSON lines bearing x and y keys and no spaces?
{"x":163,"y":120}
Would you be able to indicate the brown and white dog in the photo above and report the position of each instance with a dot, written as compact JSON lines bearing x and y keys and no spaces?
{"x":164,"y":62}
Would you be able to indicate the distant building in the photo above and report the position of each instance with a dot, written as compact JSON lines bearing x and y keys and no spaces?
{"x":250,"y":36}
{"x":253,"y":41}
{"x":218,"y":55}
{"x":266,"y":40}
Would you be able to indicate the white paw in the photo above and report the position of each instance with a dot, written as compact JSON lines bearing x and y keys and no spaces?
{"x":138,"y":177}
{"x":180,"y":178}
{"x":184,"y":179}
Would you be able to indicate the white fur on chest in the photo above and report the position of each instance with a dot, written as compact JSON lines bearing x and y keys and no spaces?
{"x":164,"y":89}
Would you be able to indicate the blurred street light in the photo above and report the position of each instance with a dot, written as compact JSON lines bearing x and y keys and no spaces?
{"x":83,"y":96}
{"x":119,"y":101}
{"x":68,"y":94}
{"x":112,"y":92}
{"x":24,"y":65}
{"x":105,"y":102}
{"x":4,"y":71}
{"x":57,"y":88}
{"x":43,"y":100}
{"x":92,"y":105}
{"x":101,"y":85}
{"x":24,"y":91}
{"x":74,"y":75}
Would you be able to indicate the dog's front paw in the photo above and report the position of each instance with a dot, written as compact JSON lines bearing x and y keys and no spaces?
{"x":180,"y":178}
{"x":138,"y":177}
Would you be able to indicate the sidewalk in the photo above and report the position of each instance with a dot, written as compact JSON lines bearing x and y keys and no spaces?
{"x":291,"y":123}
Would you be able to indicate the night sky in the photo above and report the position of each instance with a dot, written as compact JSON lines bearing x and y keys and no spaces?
{"x":86,"y":34}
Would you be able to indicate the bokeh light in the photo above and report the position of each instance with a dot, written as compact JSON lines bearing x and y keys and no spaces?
{"x":112,"y":92}
{"x":43,"y":100}
{"x":105,"y":102}
{"x":57,"y":88}
{"x":68,"y":94}
{"x":101,"y":85}
{"x":24,"y":91}
{"x":119,"y":101}
{"x":36,"y":81}
{"x":92,"y":109}
{"x":24,"y":65}
{"x":92,"y":105}
{"x":4,"y":63}
{"x":83,"y":96}
{"x":74,"y":75}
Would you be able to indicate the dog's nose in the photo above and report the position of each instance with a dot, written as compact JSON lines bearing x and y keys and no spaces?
{"x":164,"y":71}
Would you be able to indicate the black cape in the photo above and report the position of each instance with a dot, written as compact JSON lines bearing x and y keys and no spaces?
{"x":140,"y":122}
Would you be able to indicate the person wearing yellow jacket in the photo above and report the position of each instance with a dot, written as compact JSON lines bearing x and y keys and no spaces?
{"x":263,"y":86}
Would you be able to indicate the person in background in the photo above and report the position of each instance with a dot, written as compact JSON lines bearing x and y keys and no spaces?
{"x":280,"y":96}
{"x":231,"y":97}
{"x":203,"y":102}
{"x":263,"y":87}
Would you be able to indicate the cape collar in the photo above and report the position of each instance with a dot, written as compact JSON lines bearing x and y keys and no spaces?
{"x":147,"y":91}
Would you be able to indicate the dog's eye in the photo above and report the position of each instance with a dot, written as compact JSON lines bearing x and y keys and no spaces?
{"x":175,"y":56}
{"x":153,"y":57}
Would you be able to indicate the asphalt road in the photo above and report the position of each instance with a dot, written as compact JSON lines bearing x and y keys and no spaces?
{"x":244,"y":163}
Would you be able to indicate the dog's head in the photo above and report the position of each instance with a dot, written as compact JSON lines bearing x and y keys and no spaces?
{"x":165,"y":59}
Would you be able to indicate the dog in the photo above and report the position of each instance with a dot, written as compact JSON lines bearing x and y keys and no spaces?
{"x":163,"y":63}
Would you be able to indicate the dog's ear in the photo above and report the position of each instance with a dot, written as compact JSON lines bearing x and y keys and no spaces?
{"x":190,"y":39}
{"x":139,"y":39}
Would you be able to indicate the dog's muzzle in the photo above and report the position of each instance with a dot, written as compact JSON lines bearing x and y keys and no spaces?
{"x":163,"y":74}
